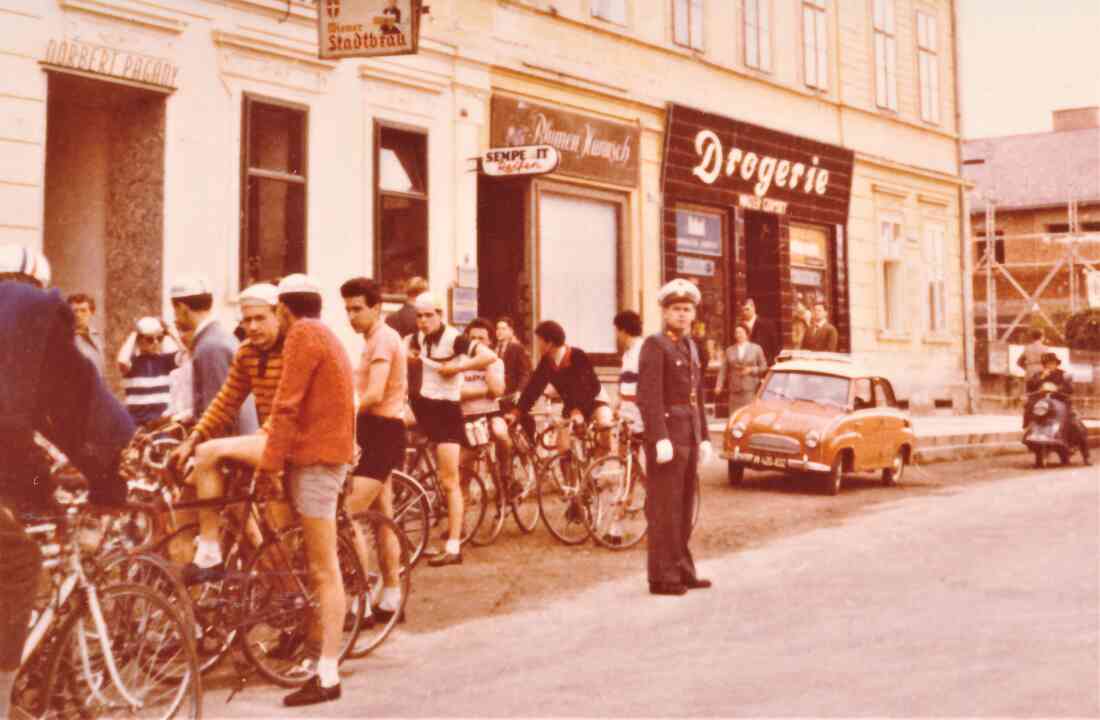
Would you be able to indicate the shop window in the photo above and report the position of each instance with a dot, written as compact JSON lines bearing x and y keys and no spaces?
{"x":815,"y":44}
{"x":998,"y":247}
{"x":610,"y":10}
{"x":273,"y":203}
{"x":700,"y":234}
{"x":893,"y":275}
{"x":758,"y":34}
{"x":936,"y":264}
{"x":886,"y":55}
{"x":582,"y":296}
{"x":809,"y":261}
{"x":687,"y":23}
{"x":401,"y":185}
{"x":929,"y":67}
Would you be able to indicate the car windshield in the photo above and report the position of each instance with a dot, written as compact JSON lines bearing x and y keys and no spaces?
{"x":821,"y":389}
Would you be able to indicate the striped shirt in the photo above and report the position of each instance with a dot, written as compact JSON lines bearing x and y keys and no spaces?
{"x":252,"y":371}
{"x":146,"y":386}
{"x":628,"y":386}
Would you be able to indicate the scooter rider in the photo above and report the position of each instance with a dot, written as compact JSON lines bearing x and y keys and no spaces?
{"x":1052,"y":378}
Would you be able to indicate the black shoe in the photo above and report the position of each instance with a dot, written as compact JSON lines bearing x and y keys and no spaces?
{"x":446,"y":559}
{"x":667,"y":589}
{"x":697,"y":584}
{"x":613,"y":539}
{"x":192,"y":574}
{"x":1085,"y":460}
{"x":384,"y":616}
{"x":312,"y":693}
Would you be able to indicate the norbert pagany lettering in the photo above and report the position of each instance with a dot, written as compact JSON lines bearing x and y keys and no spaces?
{"x":766,"y":170}
{"x":109,"y":61}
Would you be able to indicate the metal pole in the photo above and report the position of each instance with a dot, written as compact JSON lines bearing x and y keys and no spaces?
{"x":991,"y":257}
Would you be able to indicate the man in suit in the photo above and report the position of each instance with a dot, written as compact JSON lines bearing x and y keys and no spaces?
{"x":1052,"y":376}
{"x":761,"y":331}
{"x":517,"y":361}
{"x":404,"y":320}
{"x":670,"y":397}
{"x":821,"y":335}
{"x":1031,"y":359}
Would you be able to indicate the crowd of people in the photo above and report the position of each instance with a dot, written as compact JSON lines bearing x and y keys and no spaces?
{"x":286,"y":400}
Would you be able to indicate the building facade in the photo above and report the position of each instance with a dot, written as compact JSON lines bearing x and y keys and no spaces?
{"x":148,"y":138}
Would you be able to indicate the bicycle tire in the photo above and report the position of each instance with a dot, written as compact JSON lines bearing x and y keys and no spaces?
{"x":525,"y":503}
{"x":495,"y":511}
{"x":129,"y":635}
{"x":276,"y":603}
{"x":617,"y":497}
{"x":412,"y":513}
{"x":148,"y":570}
{"x":559,"y":495}
{"x":474,"y":504}
{"x":374,"y":628}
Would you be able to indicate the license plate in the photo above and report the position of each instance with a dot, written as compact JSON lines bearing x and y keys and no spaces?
{"x":769,"y":461}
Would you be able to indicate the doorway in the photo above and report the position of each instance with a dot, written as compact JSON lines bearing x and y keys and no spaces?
{"x":104,"y":199}
{"x":504,"y":286}
{"x":763,"y":280}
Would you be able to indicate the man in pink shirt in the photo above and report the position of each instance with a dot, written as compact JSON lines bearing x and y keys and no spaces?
{"x":381,"y":384}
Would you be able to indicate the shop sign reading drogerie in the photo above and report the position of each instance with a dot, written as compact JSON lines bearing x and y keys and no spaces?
{"x":522,"y":160}
{"x":368,"y":28}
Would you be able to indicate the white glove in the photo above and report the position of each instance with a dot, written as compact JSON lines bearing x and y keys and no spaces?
{"x":706,"y":451}
{"x":664,"y":451}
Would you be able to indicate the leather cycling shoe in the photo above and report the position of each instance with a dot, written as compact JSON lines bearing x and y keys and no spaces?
{"x":697,"y":584}
{"x":613,"y":539}
{"x":312,"y":693}
{"x":384,"y":616}
{"x":192,"y":574}
{"x":446,"y":559}
{"x":667,"y":589}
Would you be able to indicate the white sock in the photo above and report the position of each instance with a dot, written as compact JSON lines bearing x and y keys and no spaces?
{"x":328,"y":671}
{"x":616,"y":529}
{"x":453,"y":547}
{"x":391,"y":599}
{"x":208,"y":553}
{"x":7,"y":681}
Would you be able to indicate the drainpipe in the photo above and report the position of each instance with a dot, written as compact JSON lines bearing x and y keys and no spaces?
{"x":964,"y":227}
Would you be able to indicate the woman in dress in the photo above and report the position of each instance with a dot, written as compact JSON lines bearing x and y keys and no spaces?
{"x":743,"y":364}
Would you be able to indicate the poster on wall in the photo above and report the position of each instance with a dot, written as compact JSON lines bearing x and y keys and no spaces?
{"x":368,"y":28}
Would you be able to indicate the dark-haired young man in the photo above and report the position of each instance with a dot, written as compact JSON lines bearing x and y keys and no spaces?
{"x":381,"y":384}
{"x":89,"y":341}
{"x":517,"y":361}
{"x":310,"y":433}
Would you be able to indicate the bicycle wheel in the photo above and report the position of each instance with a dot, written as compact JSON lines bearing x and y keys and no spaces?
{"x":149,"y":640}
{"x":278,"y":604}
{"x":147,"y":570}
{"x":496,"y":509}
{"x":618,"y":518}
{"x":563,"y":510}
{"x":525,"y":494}
{"x":412,"y":513}
{"x":377,"y":623}
{"x":475,"y":502}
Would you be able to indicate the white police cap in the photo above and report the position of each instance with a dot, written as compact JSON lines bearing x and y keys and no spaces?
{"x":678,"y":290}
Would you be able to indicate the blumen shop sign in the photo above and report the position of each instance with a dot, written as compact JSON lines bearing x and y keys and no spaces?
{"x":719,"y":160}
{"x":589,"y":147}
{"x":111,"y":62}
{"x":368,"y":28}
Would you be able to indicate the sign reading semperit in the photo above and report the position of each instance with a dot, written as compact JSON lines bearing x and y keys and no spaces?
{"x":525,"y":160}
{"x":368,"y":28}
{"x":103,"y":60}
{"x":589,"y":148}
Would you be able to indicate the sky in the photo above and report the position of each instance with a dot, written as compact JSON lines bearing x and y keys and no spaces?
{"x":1022,"y":59}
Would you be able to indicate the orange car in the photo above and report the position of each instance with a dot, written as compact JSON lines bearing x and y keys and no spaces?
{"x":821,"y":414}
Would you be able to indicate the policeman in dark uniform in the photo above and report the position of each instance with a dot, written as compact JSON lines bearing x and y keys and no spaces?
{"x":670,"y":397}
{"x":48,"y":386}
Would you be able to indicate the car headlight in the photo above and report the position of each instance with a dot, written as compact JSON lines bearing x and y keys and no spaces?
{"x":812,"y":439}
{"x":738,"y":431}
{"x":1041,"y":408}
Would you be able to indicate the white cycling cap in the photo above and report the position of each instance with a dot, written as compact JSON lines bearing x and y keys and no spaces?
{"x":297,"y":284}
{"x":188,"y":286}
{"x":259,"y":294}
{"x":149,"y":325}
{"x":428,"y":301}
{"x":25,"y":261}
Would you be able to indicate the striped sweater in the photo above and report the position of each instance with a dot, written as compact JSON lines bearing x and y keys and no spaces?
{"x":252,"y":371}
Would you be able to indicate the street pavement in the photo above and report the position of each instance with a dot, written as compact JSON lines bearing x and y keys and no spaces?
{"x":978,"y":601}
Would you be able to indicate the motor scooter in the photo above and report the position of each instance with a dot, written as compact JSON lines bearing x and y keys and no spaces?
{"x":1048,"y":425}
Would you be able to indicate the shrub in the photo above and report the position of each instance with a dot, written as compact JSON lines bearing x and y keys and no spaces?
{"x":1083,"y":330}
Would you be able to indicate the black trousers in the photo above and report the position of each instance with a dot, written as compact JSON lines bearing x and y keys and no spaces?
{"x":669,"y":506}
{"x":20,"y":565}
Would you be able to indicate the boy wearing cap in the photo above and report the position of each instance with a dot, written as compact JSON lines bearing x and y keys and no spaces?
{"x":444,"y":354}
{"x":311,"y":433}
{"x":670,"y":397}
{"x":146,"y":370}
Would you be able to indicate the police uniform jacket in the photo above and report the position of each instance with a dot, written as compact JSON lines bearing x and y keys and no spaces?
{"x":670,"y":390}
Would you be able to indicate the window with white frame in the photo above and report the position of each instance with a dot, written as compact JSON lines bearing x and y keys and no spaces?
{"x":936,"y":264}
{"x":929,"y":67}
{"x":893,"y":273}
{"x":758,"y":34}
{"x":815,"y":43}
{"x":610,"y":10}
{"x":886,"y":55}
{"x":687,"y":23}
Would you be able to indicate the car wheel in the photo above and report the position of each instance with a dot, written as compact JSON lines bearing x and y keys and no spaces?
{"x":736,"y":473}
{"x":835,"y":477}
{"x":892,"y":475}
